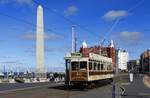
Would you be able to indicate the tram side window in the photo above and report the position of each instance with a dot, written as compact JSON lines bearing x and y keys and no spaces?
{"x":74,"y":65}
{"x":83,"y":65}
{"x":90,"y":65}
{"x":95,"y":66}
{"x":98,"y":66}
{"x":102,"y":67}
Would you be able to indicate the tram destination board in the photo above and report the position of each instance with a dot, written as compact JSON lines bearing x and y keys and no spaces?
{"x":76,"y":55}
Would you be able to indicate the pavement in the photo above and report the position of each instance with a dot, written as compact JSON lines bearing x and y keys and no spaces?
{"x":146,"y":81}
{"x":137,"y":89}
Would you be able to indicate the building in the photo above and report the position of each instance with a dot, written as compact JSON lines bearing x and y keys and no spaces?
{"x":111,"y":50}
{"x":122,"y":59}
{"x":134,"y":66}
{"x":145,"y":61}
{"x":108,"y":51}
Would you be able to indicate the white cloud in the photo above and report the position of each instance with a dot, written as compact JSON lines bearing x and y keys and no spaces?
{"x":115,"y":14}
{"x":6,"y":57}
{"x":130,"y":35}
{"x":32,"y":36}
{"x":51,"y":36}
{"x":28,"y":36}
{"x":128,"y":38}
{"x":28,"y":2}
{"x":71,"y":10}
{"x":49,"y":50}
{"x":61,"y":49}
{"x":24,"y":1}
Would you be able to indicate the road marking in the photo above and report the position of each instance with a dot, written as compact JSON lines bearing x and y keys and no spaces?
{"x":128,"y":83}
{"x":143,"y":94}
{"x":20,"y":89}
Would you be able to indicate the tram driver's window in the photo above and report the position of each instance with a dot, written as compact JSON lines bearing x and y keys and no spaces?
{"x":83,"y":65}
{"x":74,"y":65}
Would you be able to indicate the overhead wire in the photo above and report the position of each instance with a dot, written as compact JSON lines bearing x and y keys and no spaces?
{"x":26,"y":22}
{"x":69,"y":20}
{"x":118,"y":20}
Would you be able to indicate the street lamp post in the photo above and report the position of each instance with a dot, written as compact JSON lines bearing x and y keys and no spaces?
{"x":148,"y":52}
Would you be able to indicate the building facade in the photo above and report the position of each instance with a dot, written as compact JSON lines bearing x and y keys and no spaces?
{"x":145,"y":61}
{"x":122,"y":59}
{"x":108,"y":51}
{"x":134,"y":66}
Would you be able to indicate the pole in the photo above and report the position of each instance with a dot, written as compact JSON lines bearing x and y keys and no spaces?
{"x":149,"y":60}
{"x":4,"y":71}
{"x":113,"y":90}
{"x":73,"y":40}
{"x":149,"y":63}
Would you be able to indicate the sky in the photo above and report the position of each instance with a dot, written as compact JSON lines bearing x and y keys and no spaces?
{"x":124,"y":21}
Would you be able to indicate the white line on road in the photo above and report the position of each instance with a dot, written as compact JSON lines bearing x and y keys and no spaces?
{"x":128,"y":83}
{"x":143,"y":94}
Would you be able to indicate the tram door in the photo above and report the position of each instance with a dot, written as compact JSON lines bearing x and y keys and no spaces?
{"x":67,"y":78}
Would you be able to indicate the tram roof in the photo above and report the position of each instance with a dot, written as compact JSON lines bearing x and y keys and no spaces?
{"x":92,"y":57}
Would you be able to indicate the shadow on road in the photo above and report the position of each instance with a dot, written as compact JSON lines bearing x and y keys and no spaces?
{"x":81,"y":87}
{"x":70,"y":88}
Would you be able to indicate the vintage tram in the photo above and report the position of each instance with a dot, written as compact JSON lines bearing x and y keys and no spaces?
{"x":81,"y":70}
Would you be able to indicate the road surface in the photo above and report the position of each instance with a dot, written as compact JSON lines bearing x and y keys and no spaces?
{"x":137,"y":89}
{"x":60,"y":91}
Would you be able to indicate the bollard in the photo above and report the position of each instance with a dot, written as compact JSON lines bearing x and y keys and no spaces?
{"x":131,"y":77}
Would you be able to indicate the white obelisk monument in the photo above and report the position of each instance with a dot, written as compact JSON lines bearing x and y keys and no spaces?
{"x":40,"y":72}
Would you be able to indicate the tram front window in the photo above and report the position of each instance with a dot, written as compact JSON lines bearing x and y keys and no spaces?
{"x":83,"y":65}
{"x":74,"y":65}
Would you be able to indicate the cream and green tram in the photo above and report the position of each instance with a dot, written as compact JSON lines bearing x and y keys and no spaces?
{"x":84,"y":70}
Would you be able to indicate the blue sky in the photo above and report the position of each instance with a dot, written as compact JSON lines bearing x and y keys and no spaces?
{"x":129,"y":20}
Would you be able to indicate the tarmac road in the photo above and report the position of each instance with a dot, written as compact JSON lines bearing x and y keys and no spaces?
{"x":52,"y":90}
{"x":60,"y":91}
{"x":137,"y":89}
{"x":15,"y":86}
